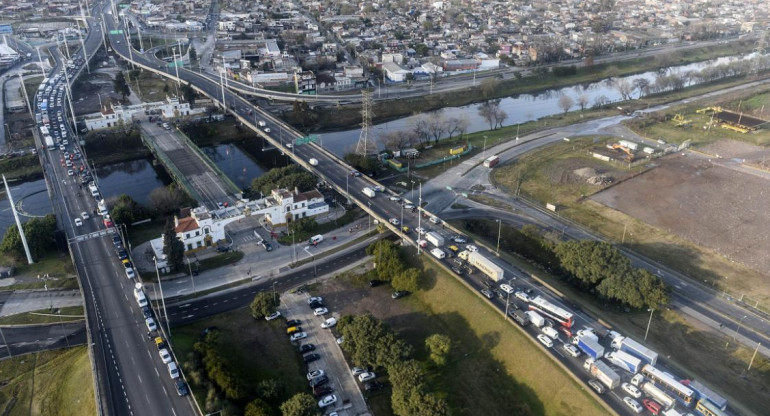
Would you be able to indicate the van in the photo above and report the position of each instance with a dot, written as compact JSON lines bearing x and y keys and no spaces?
{"x":140,"y":298}
{"x":551,"y":332}
{"x":314,"y":240}
{"x":438,"y":253}
{"x":435,"y":220}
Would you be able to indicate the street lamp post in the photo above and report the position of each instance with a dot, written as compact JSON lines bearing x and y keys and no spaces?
{"x":499,"y":231}
{"x":648,"y":324}
{"x":162,"y":299}
{"x":8,"y":347}
{"x":507,"y":303}
{"x":192,"y":279}
{"x":739,"y":326}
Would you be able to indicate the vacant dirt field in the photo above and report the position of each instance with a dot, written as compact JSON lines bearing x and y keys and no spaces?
{"x":716,"y":203}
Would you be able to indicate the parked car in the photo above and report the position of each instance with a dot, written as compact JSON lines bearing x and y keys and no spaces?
{"x":322,"y":391}
{"x":319,"y":381}
{"x":320,"y":311}
{"x":293,"y":322}
{"x":309,"y":358}
{"x":315,"y":373}
{"x":366,"y":376}
{"x":571,"y":350}
{"x":373,"y":386}
{"x":297,"y":336}
{"x":329,"y":323}
{"x":399,"y":294}
{"x":173,"y":370}
{"x":488,"y":293}
{"x":165,"y":356}
{"x":306,"y":348}
{"x":313,"y":299}
{"x":633,"y":404}
{"x":223,"y":249}
{"x":272,"y":316}
{"x":327,"y":401}
{"x":181,"y":388}
{"x":357,"y":370}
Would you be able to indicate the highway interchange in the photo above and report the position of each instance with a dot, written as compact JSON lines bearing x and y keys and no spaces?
{"x":130,"y":383}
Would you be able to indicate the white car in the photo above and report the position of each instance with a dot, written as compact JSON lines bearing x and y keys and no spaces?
{"x":366,"y":376}
{"x":70,"y":172}
{"x":523,"y":296}
{"x":272,"y":316}
{"x":315,"y":299}
{"x":507,"y":288}
{"x":297,"y":336}
{"x":394,"y":221}
{"x":315,"y":373}
{"x":329,"y":323}
{"x":130,"y":272}
{"x":327,"y":401}
{"x":320,"y":311}
{"x":150,"y":324}
{"x":409,"y":206}
{"x":632,"y":390}
{"x":632,"y":404}
{"x":165,"y":356}
{"x":420,"y":230}
{"x":471,"y":248}
{"x":173,"y":370}
{"x":85,"y":215}
{"x":357,"y":370}
{"x":545,"y":340}
{"x":395,"y":198}
{"x":78,"y":222}
{"x":571,"y":350}
{"x":340,"y":340}
{"x":459,"y":240}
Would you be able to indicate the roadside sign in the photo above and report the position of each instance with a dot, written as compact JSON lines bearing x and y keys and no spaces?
{"x":307,"y":139}
{"x":6,"y":29}
{"x":116,"y":32}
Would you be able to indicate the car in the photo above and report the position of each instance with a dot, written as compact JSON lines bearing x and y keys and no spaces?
{"x":631,"y":390}
{"x":597,"y":386}
{"x":320,"y":311}
{"x":266,"y":129}
{"x":395,"y":198}
{"x":507,"y":288}
{"x":309,"y":358}
{"x":293,"y":330}
{"x":223,"y":249}
{"x":273,"y":315}
{"x":315,"y":373}
{"x":409,"y":206}
{"x":108,"y":223}
{"x":571,"y":350}
{"x":355,"y":173}
{"x":319,"y":381}
{"x":293,"y":322}
{"x":322,"y":391}
{"x":420,"y":230}
{"x":315,"y":299}
{"x":130,"y":273}
{"x":454,"y":248}
{"x":459,"y":239}
{"x":523,"y":296}
{"x":306,"y":348}
{"x":357,"y":370}
{"x":471,"y":248}
{"x":399,"y":294}
{"x":165,"y":356}
{"x":652,"y":406}
{"x":297,"y":336}
{"x":85,"y":215}
{"x":160,"y":343}
{"x":394,"y":221}
{"x":366,"y":376}
{"x":327,"y":401}
{"x":488,"y":293}
{"x":340,"y":340}
{"x":545,"y":340}
{"x":457,"y":270}
{"x":633,"y":404}
{"x":70,"y":172}
{"x":173,"y":370}
{"x":150,"y":323}
{"x":329,"y":323}
{"x":267,"y":246}
{"x":373,"y":386}
{"x":78,"y":222}
{"x":122,"y":254}
{"x":181,"y":388}
{"x":316,"y":305}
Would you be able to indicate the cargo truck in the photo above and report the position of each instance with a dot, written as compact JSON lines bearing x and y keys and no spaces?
{"x":602,"y":372}
{"x":491,"y":161}
{"x":625,"y":361}
{"x":520,"y":317}
{"x":535,"y":318}
{"x":435,"y":239}
{"x":486,"y":266}
{"x":589,"y":346}
{"x":49,"y":142}
{"x":369,"y":192}
{"x":636,"y":349}
{"x":661,"y":397}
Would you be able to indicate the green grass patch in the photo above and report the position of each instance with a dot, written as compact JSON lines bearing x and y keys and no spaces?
{"x":54,"y":264}
{"x":48,"y":383}
{"x":45,"y":316}
{"x":260,"y":349}
{"x":145,"y":232}
{"x":151,"y":87}
{"x":22,"y":168}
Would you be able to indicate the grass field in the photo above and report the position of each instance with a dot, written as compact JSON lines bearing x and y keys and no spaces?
{"x":151,"y":87}
{"x":258,"y":348}
{"x":48,"y":383}
{"x":44,"y":316}
{"x":713,"y":359}
{"x":56,"y":265}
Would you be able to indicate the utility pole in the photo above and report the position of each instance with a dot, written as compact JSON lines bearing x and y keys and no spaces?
{"x":419,"y":217}
{"x":648,"y":324}
{"x":162,"y":299}
{"x":26,"y":99}
{"x":82,"y":44}
{"x":40,"y":58}
{"x":499,"y":231}
{"x":18,"y":222}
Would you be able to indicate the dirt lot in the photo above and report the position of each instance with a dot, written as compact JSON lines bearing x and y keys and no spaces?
{"x":715,"y":203}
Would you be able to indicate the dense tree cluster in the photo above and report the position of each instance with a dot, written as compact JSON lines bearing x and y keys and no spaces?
{"x":125,"y":210}
{"x":390,"y":266}
{"x":301,"y":404}
{"x":289,"y":177}
{"x":370,"y":342}
{"x":39,"y":233}
{"x":264,"y":304}
{"x":410,"y":396}
{"x":173,"y":247}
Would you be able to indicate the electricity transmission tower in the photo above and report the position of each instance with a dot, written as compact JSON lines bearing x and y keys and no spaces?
{"x":366,"y":144}
{"x":759,"y":51}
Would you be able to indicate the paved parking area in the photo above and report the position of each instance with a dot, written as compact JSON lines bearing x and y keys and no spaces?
{"x":350,"y":400}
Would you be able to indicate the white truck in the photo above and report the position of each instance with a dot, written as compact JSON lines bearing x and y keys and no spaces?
{"x":602,"y":372}
{"x":486,"y":266}
{"x":636,"y":349}
{"x":49,"y":142}
{"x":435,"y":239}
{"x":535,"y":318}
{"x":625,"y":361}
{"x":369,"y":192}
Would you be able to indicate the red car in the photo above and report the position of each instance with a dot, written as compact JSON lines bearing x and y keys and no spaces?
{"x":108,"y":223}
{"x":652,"y":406}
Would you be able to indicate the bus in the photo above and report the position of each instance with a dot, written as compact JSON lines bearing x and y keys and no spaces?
{"x":706,"y":408}
{"x":562,"y":315}
{"x":681,"y":392}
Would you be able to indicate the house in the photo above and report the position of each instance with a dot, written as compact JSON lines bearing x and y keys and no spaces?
{"x":199,"y":229}
{"x":394,"y":72}
{"x":305,"y":83}
{"x":112,"y":115}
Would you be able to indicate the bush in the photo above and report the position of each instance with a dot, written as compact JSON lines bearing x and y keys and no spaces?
{"x":39,"y":234}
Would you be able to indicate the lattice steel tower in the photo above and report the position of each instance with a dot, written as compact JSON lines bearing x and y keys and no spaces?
{"x":366,"y":144}
{"x":760,"y":50}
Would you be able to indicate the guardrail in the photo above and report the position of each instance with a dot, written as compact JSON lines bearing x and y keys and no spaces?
{"x":171,"y":168}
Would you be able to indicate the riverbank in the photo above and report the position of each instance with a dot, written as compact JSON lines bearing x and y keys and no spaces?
{"x":340,"y":118}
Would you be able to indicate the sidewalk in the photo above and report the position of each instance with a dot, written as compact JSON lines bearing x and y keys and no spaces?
{"x":257,"y":264}
{"x":21,"y":301}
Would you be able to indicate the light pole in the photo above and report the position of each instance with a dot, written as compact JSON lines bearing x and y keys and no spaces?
{"x":189,"y":268}
{"x":8,"y":347}
{"x":162,"y":299}
{"x":274,"y":292}
{"x":739,"y":326}
{"x":648,"y":324}
{"x":507,"y":303}
{"x":499,"y":231}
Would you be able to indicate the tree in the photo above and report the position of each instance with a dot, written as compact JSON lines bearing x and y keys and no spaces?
{"x":121,"y":86}
{"x":369,"y":341}
{"x":641,"y":84}
{"x":270,"y":389}
{"x":591,"y":261}
{"x":500,"y":116}
{"x":583,"y":101}
{"x":258,"y":407}
{"x":565,"y":103}
{"x":624,"y":88}
{"x":193,"y":54}
{"x":439,"y":346}
{"x":489,"y":86}
{"x":287,"y":177}
{"x":166,"y":200}
{"x":264,"y":304}
{"x":39,"y":233}
{"x":188,"y":93}
{"x":173,"y":247}
{"x":409,"y":396}
{"x":301,"y":404}
{"x":653,"y":289}
{"x":488,"y":110}
{"x":406,"y":280}
{"x":125,"y":210}
{"x":387,"y":259}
